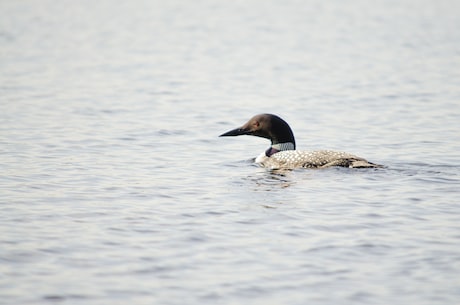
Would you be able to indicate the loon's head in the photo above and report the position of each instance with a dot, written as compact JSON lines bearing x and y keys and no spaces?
{"x":267,"y":126}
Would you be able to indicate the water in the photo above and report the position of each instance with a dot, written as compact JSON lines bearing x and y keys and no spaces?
{"x":115,"y":188}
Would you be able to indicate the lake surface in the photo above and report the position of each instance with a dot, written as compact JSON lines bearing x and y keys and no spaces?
{"x":116,"y":189}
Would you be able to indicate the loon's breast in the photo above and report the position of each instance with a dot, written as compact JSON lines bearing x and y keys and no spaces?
{"x":289,"y":159}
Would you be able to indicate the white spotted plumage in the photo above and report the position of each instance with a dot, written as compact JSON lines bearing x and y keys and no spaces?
{"x":290,"y":159}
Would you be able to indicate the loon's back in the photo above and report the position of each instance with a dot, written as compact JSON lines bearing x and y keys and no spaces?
{"x":289,"y":159}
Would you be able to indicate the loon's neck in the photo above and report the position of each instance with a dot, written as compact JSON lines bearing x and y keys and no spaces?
{"x":274,"y":148}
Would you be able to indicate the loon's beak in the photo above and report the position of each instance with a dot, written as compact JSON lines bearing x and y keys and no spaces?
{"x":236,"y":132}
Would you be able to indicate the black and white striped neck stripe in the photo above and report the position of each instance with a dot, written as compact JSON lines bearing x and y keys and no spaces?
{"x":279,"y":147}
{"x":283,"y":146}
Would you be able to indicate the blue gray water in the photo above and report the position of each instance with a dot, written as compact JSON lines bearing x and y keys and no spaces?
{"x":116,"y":189}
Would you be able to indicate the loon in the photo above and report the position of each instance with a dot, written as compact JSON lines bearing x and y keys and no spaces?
{"x":282,"y":153}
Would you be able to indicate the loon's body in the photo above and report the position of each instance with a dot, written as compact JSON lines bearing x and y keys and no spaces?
{"x":282,"y":154}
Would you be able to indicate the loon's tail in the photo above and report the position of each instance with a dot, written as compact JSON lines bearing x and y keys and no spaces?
{"x":352,"y":163}
{"x":363,"y":164}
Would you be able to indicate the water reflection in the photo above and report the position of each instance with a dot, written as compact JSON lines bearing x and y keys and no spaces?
{"x":268,"y":180}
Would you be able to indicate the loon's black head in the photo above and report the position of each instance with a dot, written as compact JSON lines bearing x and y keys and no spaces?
{"x":267,"y":126}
